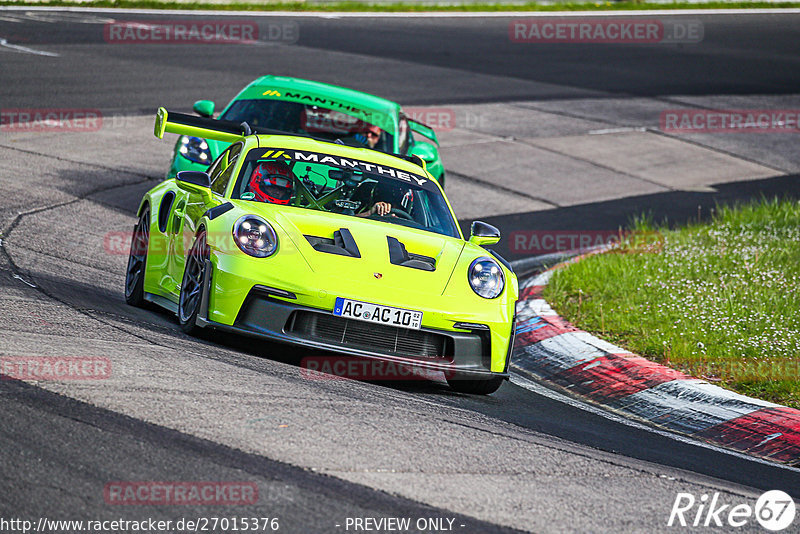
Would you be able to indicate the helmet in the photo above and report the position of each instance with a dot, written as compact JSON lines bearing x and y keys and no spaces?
{"x":272,"y":181}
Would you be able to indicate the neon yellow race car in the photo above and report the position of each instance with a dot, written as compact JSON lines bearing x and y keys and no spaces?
{"x":314,"y":243}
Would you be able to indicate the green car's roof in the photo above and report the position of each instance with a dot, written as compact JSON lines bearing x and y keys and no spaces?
{"x":353,"y":153}
{"x":300,"y":90}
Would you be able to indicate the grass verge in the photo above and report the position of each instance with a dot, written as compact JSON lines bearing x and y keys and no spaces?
{"x":719,"y":301}
{"x":396,"y":7}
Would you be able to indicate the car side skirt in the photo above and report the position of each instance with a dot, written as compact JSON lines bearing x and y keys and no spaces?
{"x":164,"y":302}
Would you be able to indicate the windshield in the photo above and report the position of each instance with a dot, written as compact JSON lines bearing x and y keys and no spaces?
{"x":294,"y":117}
{"x":352,"y":187}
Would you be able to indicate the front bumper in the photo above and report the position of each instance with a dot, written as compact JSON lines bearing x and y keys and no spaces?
{"x":465,"y":354}
{"x":235,"y":277}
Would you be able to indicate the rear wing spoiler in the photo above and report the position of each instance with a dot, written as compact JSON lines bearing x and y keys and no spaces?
{"x":183,"y":124}
{"x":205,"y":127}
{"x":228,"y":131}
{"x":423,"y":129}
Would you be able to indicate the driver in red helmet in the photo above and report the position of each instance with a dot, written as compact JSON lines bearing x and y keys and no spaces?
{"x":273,"y":182}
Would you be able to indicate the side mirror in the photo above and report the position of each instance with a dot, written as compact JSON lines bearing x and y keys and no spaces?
{"x":198,"y":178}
{"x":482,"y":234}
{"x":424,"y":150}
{"x":204,"y":108}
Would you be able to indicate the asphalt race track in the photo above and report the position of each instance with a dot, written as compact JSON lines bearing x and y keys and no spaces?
{"x":322,"y":451}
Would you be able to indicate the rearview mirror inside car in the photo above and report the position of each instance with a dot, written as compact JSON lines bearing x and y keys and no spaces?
{"x":350,"y":178}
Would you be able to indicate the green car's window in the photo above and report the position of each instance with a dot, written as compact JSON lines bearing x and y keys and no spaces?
{"x":222,"y":169}
{"x":293,"y":117}
{"x":346,"y":186}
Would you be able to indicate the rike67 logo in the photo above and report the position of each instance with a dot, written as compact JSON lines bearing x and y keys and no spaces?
{"x":774,"y":511}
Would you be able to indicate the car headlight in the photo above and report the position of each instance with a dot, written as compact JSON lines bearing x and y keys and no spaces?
{"x":255,"y":236}
{"x":195,"y":149}
{"x":486,"y":278}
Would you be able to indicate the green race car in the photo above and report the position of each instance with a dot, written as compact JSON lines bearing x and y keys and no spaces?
{"x":304,"y":241}
{"x":293,"y":105}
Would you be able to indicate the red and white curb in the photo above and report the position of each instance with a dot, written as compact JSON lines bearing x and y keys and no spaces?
{"x":549,"y":349}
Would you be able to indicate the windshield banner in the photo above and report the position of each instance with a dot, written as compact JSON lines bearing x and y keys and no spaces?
{"x":342,"y":162}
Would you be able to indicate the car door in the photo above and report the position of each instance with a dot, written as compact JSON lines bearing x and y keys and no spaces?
{"x":189,"y":207}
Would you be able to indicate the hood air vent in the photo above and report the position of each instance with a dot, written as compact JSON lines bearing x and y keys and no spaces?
{"x":342,"y":243}
{"x":398,"y":255}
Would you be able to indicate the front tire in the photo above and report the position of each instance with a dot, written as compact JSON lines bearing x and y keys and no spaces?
{"x":191,"y":295}
{"x":137,"y":261}
{"x":475,"y":386}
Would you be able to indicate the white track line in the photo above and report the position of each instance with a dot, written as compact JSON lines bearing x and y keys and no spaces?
{"x":25,"y":49}
{"x":420,"y":14}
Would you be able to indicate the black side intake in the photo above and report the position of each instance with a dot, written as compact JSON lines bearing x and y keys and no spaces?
{"x":342,"y":243}
{"x":398,"y":255}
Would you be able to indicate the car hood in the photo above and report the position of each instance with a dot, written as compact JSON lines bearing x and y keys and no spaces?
{"x":379,"y":264}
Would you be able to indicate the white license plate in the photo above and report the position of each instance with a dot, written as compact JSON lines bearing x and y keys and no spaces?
{"x":377,"y":313}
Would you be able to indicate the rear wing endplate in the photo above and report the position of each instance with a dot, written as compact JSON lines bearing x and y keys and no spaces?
{"x":207,"y":128}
